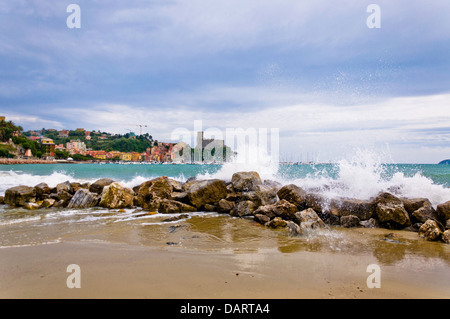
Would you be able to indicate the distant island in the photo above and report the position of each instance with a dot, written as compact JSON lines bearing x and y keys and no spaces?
{"x":447,"y":161}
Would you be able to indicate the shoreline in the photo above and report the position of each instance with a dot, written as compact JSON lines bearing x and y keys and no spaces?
{"x":110,"y":270}
{"x":13,"y":161}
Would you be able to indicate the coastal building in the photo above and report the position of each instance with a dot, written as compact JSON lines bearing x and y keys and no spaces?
{"x":2,"y":118}
{"x":63,"y":133}
{"x":76,"y":147}
{"x":181,"y":153}
{"x":209,"y":150}
{"x":126,"y":157}
{"x":136,"y":157}
{"x":47,"y":147}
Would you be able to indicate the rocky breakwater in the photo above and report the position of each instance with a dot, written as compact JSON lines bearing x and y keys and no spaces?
{"x":269,"y":203}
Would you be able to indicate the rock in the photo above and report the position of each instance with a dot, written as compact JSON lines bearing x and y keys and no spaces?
{"x":168,"y":206}
{"x":151,"y":192}
{"x":180,"y":197}
{"x":189,"y":183}
{"x":176,"y":185}
{"x":63,"y":195}
{"x":210,"y":208}
{"x":19,"y":195}
{"x":363,"y":209}
{"x":430,"y":231}
{"x":446,"y":237}
{"x":207,"y":192}
{"x":262,"y":195}
{"x":414,"y":227}
{"x":116,"y":196}
{"x":75,"y":187}
{"x":391,"y":212}
{"x":2,"y":200}
{"x":282,"y":209}
{"x":350,"y":221}
{"x":293,"y":228}
{"x":413,"y":204}
{"x":443,"y":211}
{"x":262,"y":219}
{"x":370,"y":223}
{"x":64,"y":187}
{"x":424,"y":213}
{"x":48,"y":202}
{"x":83,"y":198}
{"x":243,"y":208}
{"x":42,"y":189}
{"x":225,"y":206}
{"x":277,"y":222}
{"x":294,"y":195}
{"x":447,"y":224}
{"x":308,"y":219}
{"x":97,"y":186}
{"x":273,"y":184}
{"x":245,"y":181}
{"x":175,"y":218}
{"x":31,"y":206}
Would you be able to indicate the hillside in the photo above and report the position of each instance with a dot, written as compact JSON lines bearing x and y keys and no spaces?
{"x":447,"y":161}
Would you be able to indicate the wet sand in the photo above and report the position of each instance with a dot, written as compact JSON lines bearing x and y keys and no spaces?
{"x":117,"y":270}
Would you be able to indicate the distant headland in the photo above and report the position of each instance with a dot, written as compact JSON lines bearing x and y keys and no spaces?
{"x":447,"y":161}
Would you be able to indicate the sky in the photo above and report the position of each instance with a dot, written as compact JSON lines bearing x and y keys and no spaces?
{"x":313,"y":70}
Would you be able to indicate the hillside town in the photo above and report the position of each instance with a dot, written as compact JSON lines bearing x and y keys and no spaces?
{"x":85,"y":145}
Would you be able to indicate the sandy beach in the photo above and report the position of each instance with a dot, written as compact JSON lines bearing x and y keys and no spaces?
{"x":111,"y":270}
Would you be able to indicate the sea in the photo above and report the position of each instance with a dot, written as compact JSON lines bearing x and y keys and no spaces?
{"x":360,"y":177}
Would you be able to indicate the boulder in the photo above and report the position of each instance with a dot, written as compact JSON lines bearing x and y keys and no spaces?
{"x":168,"y":206}
{"x":363,"y":209}
{"x":262,"y":219}
{"x":424,"y":213}
{"x":83,"y":198}
{"x":294,"y":195}
{"x":370,"y":223}
{"x":447,"y":224}
{"x":97,"y":186}
{"x":391,"y":212}
{"x":63,"y":196}
{"x":349,"y":221}
{"x":65,"y":187}
{"x":48,"y":202}
{"x":261,"y":195}
{"x":430,"y":230}
{"x":31,"y":206}
{"x":243,"y":208}
{"x":19,"y":195}
{"x":2,"y":200}
{"x":225,"y":206}
{"x":42,"y":189}
{"x":293,"y":228}
{"x":413,"y":204}
{"x":308,"y":219}
{"x":245,"y":181}
{"x":180,"y":197}
{"x":443,"y":211}
{"x":207,"y":192}
{"x":152,"y":191}
{"x":117,"y":196}
{"x":282,"y":209}
{"x":176,"y":185}
{"x":277,"y":222}
{"x":446,"y":237}
{"x":189,"y":183}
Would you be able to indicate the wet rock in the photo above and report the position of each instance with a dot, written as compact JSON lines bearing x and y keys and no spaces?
{"x":42,"y":189}
{"x":245,"y":181}
{"x":189,"y":183}
{"x":293,"y":228}
{"x":424,"y":213}
{"x":176,"y":185}
{"x":308,"y":219}
{"x":446,"y":237}
{"x":272,"y":184}
{"x":414,"y":227}
{"x":262,"y":195}
{"x":83,"y":198}
{"x":391,"y":212}
{"x":175,"y":218}
{"x":97,"y":186}
{"x":262,"y":219}
{"x":350,"y":221}
{"x":116,"y":196}
{"x":447,"y":224}
{"x":66,"y":187}
{"x":319,"y":203}
{"x":31,"y":206}
{"x":282,"y":209}
{"x":225,"y":206}
{"x":168,"y":206}
{"x":180,"y":197}
{"x":2,"y":200}
{"x":413,"y":204}
{"x":48,"y":202}
{"x":294,"y":195}
{"x":363,"y":209}
{"x":153,"y":191}
{"x":210,"y":208}
{"x":243,"y":208}
{"x":277,"y":222}
{"x":19,"y":195}
{"x":62,"y":195}
{"x":430,"y":231}
{"x":370,"y":223}
{"x":443,"y":211}
{"x":207,"y":192}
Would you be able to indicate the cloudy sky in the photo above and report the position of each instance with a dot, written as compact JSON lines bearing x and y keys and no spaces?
{"x":312,"y":69}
